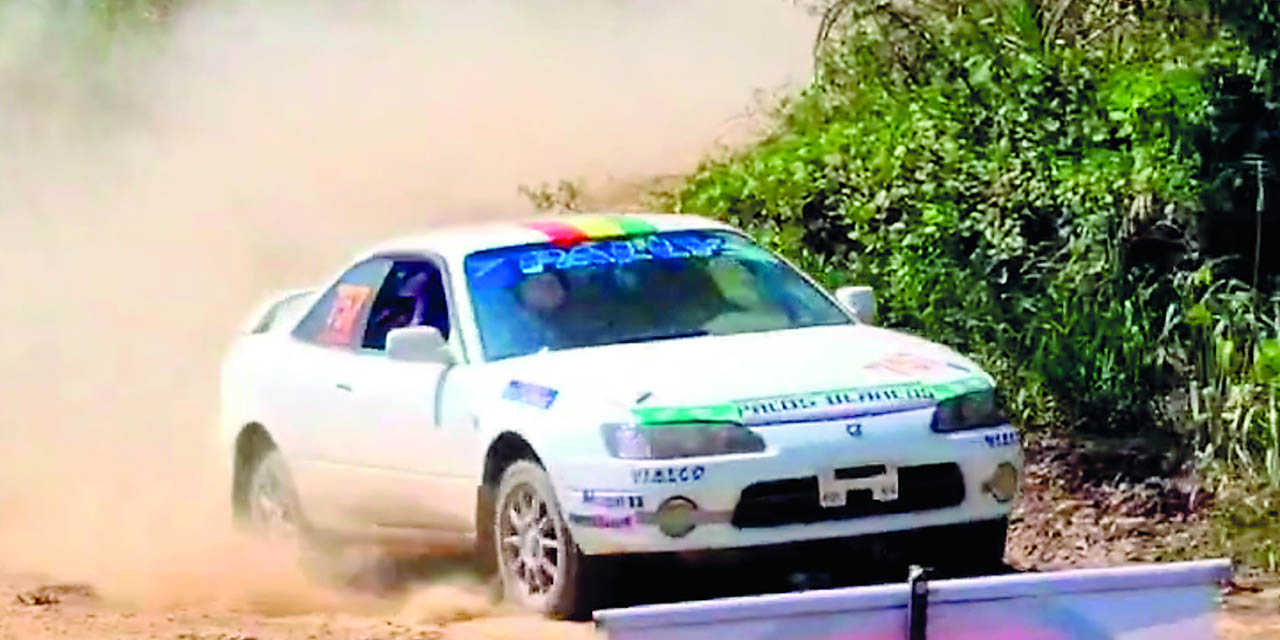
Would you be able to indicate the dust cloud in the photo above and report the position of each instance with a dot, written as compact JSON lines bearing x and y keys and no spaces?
{"x":148,"y":198}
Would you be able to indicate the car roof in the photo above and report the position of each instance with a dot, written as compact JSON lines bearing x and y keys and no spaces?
{"x":456,"y":240}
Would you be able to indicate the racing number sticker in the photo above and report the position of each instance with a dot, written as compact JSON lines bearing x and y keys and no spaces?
{"x":342,"y":317}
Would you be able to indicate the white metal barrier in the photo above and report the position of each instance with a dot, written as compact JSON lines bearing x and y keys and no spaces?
{"x":1175,"y":601}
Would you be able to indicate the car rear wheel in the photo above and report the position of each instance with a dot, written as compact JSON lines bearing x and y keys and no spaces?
{"x":271,"y":502}
{"x":540,"y":566}
{"x":273,"y":513}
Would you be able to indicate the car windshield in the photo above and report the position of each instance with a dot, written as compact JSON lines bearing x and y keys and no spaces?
{"x":642,"y":288}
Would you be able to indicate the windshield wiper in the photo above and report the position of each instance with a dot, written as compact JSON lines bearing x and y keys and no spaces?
{"x":664,"y":336}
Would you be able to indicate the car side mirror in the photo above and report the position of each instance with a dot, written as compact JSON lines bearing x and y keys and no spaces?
{"x":860,"y":300}
{"x":418,"y":344}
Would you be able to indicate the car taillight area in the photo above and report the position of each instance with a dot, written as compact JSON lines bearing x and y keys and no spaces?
{"x":795,"y":500}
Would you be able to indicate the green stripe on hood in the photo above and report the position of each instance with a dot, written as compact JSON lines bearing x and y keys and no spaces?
{"x":720,"y":413}
{"x":947,"y":390}
{"x":678,"y":415}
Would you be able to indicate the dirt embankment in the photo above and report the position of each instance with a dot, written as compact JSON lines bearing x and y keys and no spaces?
{"x":1093,"y":503}
{"x":1096,"y":503}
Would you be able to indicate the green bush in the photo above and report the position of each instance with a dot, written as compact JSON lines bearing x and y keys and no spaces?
{"x":1025,"y":181}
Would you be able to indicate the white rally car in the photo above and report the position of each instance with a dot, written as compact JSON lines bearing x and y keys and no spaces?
{"x":566,"y":390}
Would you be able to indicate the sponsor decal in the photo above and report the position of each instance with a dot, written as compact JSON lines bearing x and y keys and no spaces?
{"x":869,"y":396}
{"x":845,"y":402}
{"x":340,"y":326}
{"x":668,"y":475}
{"x":531,"y":394}
{"x":602,"y":521}
{"x":612,"y":500}
{"x":1001,"y":439}
{"x":658,"y":247}
{"x":570,"y":249}
{"x":782,"y":405}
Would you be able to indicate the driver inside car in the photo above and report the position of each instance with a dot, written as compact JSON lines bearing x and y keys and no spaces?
{"x":406,"y":308}
{"x":540,"y":297}
{"x":413,"y":302}
{"x":562,"y":315}
{"x":543,"y":293}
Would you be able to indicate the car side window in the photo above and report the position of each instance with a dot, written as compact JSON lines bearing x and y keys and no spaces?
{"x":412,"y":295}
{"x":337,"y":319}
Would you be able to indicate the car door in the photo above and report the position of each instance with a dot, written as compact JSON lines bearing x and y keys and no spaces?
{"x":404,"y":451}
{"x":315,"y":396}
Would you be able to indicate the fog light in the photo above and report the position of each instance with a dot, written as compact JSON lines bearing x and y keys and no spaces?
{"x":1003,"y":484}
{"x":677,"y":517}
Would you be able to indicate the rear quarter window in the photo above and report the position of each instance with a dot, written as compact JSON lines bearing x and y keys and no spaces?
{"x":337,"y":319}
{"x":284,"y":312}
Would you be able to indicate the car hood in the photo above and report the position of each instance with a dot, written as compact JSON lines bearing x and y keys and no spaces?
{"x":710,"y":370}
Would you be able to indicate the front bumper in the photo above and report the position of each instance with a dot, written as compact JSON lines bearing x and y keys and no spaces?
{"x":760,"y":499}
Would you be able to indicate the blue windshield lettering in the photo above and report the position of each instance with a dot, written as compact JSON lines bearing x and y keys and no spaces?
{"x":701,"y":247}
{"x":626,"y":253}
{"x":661,"y":248}
{"x":585,"y":256}
{"x":536,"y":261}
{"x":618,"y":252}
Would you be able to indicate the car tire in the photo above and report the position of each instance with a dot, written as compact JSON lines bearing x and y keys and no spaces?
{"x":273,"y":513}
{"x":271,"y":508}
{"x":540,"y":567}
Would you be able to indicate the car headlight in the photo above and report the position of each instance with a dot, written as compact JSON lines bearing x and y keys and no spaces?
{"x":660,"y":442}
{"x":973,"y":410}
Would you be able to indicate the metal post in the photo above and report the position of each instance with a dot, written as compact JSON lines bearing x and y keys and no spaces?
{"x":1259,"y":205}
{"x":918,"y":605}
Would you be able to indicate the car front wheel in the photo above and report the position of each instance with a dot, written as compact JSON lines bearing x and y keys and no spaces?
{"x":539,"y":564}
{"x":273,"y":514}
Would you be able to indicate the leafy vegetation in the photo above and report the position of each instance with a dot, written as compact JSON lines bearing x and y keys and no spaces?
{"x":1028,"y":181}
{"x":1078,"y":192}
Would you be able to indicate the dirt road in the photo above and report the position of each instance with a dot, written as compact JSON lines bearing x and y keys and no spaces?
{"x":30,"y":610}
{"x":33,"y":610}
{"x":1059,"y":523}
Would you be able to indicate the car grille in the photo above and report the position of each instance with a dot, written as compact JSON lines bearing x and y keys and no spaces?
{"x":795,"y":500}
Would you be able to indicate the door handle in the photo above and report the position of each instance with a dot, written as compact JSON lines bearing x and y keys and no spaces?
{"x":344,"y":386}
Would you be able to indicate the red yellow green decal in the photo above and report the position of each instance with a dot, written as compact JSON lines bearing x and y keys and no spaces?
{"x":571,"y":230}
